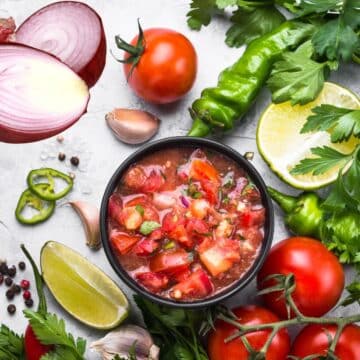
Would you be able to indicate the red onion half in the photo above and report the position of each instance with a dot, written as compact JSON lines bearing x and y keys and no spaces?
{"x":73,"y":32}
{"x":39,"y":95}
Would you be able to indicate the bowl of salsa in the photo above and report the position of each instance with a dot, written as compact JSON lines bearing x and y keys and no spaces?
{"x":186,"y":221}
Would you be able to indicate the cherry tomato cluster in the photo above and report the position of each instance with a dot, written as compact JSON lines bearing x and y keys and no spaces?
{"x":319,"y":280}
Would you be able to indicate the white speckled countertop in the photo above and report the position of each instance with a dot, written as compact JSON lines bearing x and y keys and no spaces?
{"x":96,"y":144}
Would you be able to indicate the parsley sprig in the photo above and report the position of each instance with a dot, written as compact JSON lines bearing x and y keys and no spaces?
{"x":11,"y":345}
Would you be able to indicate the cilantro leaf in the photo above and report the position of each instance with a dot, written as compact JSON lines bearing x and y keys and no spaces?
{"x":11,"y":345}
{"x":249,"y":24}
{"x":51,"y":331}
{"x":297,"y":77}
{"x":342,"y":122}
{"x":222,"y":4}
{"x":140,"y":209}
{"x":201,"y":13}
{"x":306,"y":7}
{"x":326,"y":159}
{"x":147,"y":227}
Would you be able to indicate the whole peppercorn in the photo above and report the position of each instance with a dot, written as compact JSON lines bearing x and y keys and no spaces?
{"x":10,"y":294}
{"x":1,"y":279}
{"x":12,"y":271}
{"x":27,"y":295}
{"x":22,"y":266}
{"x":29,"y":303}
{"x":8,"y":281}
{"x":11,"y":309}
{"x":61,"y":156}
{"x":25,"y":284}
{"x":74,"y":160}
{"x":16,"y":288}
{"x":4,"y":268}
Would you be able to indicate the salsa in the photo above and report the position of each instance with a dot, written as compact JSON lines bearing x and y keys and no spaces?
{"x":186,"y":223}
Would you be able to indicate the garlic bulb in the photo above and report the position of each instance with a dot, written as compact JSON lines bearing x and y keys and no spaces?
{"x":120,"y":341}
{"x":132,"y":126}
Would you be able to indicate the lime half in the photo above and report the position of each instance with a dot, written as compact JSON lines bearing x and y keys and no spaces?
{"x":282,"y":146}
{"x":81,"y":288}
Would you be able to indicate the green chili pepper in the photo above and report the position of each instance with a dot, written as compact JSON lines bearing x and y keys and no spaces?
{"x":303,"y":213}
{"x":339,"y":231}
{"x":238,"y":85}
{"x":28,"y":198}
{"x":48,"y":192}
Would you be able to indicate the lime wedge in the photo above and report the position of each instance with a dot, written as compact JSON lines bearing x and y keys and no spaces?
{"x":81,"y":288}
{"x":282,"y":146}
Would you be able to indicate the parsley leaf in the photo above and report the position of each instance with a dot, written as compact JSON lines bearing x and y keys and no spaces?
{"x":147,"y":227}
{"x":342,"y":122}
{"x":297,"y":77}
{"x":51,"y":331}
{"x":249,"y":24}
{"x":11,"y":345}
{"x":354,"y":294}
{"x":326,"y":159}
{"x":201,"y":13}
{"x":306,"y":7}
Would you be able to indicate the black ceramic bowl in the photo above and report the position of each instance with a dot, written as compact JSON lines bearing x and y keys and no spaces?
{"x":176,"y":142}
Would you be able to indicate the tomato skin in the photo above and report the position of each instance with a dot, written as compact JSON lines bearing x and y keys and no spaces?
{"x":167,"y":68}
{"x":318,"y":274}
{"x":314,"y":339}
{"x":235,"y":349}
{"x":34,"y":350}
{"x":170,"y":261}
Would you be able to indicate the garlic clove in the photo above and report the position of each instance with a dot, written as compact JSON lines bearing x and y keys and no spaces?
{"x":90,"y":217}
{"x":120,"y":341}
{"x":132,"y":126}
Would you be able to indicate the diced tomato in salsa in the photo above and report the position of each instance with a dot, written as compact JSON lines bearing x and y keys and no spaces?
{"x":186,"y":224}
{"x":219,"y":256}
{"x":197,"y":285}
{"x":145,"y":247}
{"x":153,"y":282}
{"x":170,"y":261}
{"x":123,"y":242}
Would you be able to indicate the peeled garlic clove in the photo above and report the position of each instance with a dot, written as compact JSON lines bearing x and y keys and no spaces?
{"x":120,"y":342}
{"x":132,"y":126}
{"x":90,"y":217}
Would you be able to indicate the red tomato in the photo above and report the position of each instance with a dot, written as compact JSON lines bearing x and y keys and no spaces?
{"x":170,"y":261}
{"x":314,"y":339}
{"x":153,"y":282}
{"x":318,"y":274}
{"x":123,"y":242}
{"x":203,"y":170}
{"x":34,"y":350}
{"x":114,"y":206}
{"x":137,"y":179}
{"x":197,"y":285}
{"x":235,"y":349}
{"x":251,"y":218}
{"x":145,"y":247}
{"x":167,"y":68}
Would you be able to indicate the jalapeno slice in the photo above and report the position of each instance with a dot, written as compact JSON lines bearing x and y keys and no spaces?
{"x":48,"y":193}
{"x":45,"y":208}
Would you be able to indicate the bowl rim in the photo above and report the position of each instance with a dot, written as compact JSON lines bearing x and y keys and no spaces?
{"x":185,"y":141}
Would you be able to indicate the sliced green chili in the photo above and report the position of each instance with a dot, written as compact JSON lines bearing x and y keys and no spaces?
{"x":45,"y":208}
{"x":48,"y":193}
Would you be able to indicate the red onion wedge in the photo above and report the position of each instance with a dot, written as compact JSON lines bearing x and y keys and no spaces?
{"x":39,"y":95}
{"x":73,"y":32}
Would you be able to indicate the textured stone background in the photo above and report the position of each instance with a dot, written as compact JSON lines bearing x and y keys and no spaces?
{"x":105,"y":153}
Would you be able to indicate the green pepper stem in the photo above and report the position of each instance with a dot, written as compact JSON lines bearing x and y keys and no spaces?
{"x":286,"y":202}
{"x":42,"y":307}
{"x":199,"y":127}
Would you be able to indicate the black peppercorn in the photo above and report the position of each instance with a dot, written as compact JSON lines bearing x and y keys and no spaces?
{"x":11,"y":309}
{"x":29,"y":302}
{"x":75,"y":160}
{"x":12,"y":271}
{"x":10,"y":294}
{"x":16,"y":288}
{"x":1,"y":279}
{"x":4,"y":268}
{"x":8,"y":281}
{"x":22,"y":265}
{"x":61,"y":156}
